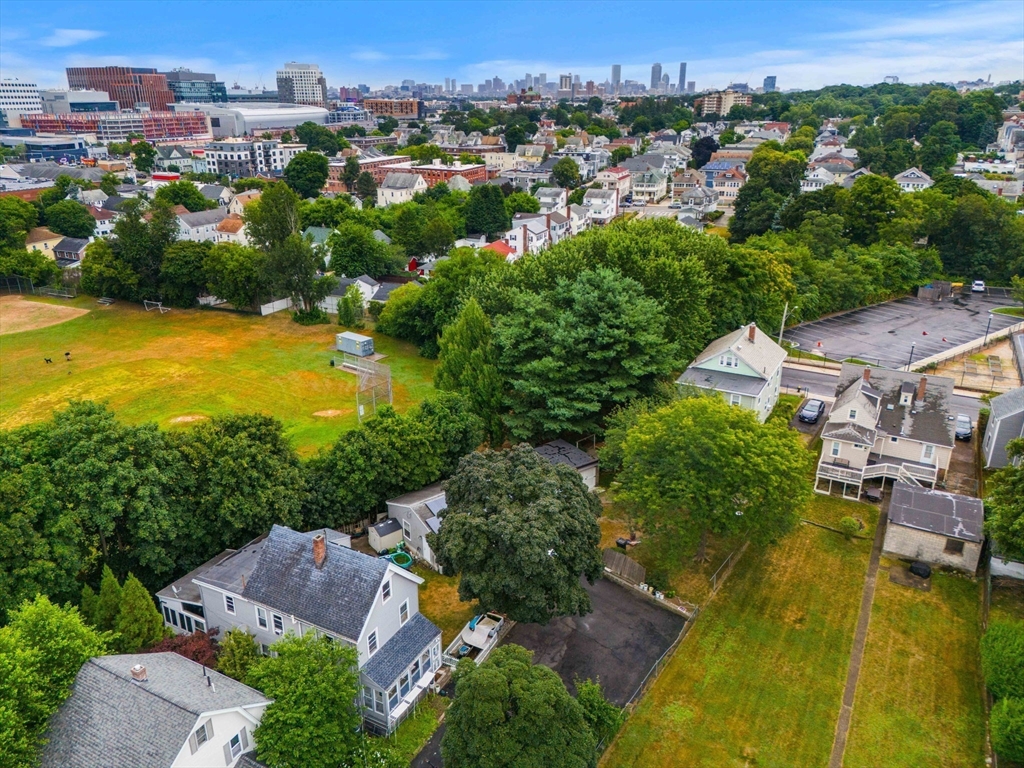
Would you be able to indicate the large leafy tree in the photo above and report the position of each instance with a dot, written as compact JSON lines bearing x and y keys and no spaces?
{"x":566,"y":173}
{"x":31,"y":264}
{"x":485,"y":211}
{"x":271,"y":219}
{"x":873,"y":200}
{"x":467,"y":363}
{"x":366,"y":188}
{"x":184,"y":193}
{"x":293,"y":269}
{"x":312,"y":722}
{"x":573,"y":353}
{"x":520,"y":533}
{"x":320,"y":138}
{"x":182,"y":279}
{"x":70,"y":218}
{"x":1005,"y":519}
{"x":455,"y":429}
{"x":306,"y":174}
{"x":237,"y":274}
{"x":511,"y":713}
{"x":700,"y":466}
{"x":17,"y":217}
{"x":145,"y":156}
{"x":355,"y":251}
{"x":239,"y":652}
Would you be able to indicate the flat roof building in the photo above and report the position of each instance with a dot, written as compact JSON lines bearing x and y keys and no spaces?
{"x":248,"y":119}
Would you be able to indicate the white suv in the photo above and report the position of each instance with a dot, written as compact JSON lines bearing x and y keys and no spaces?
{"x":978,"y":286}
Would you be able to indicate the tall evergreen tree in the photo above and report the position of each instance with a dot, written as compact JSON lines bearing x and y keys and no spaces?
{"x":485,"y":211}
{"x":238,"y":652}
{"x":109,"y":603}
{"x":139,"y":623}
{"x":89,"y":605}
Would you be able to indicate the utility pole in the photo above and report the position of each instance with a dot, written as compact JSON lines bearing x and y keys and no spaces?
{"x":912,"y":345}
{"x":987,"y":327}
{"x":785,"y":312}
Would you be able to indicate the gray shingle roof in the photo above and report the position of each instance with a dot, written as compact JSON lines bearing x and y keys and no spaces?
{"x":336,"y":597}
{"x":384,"y":291}
{"x":110,"y":720}
{"x":400,"y":180}
{"x":722,"y":381}
{"x":112,"y":202}
{"x":401,"y":650}
{"x":561,"y":452}
{"x":378,"y":235}
{"x":1007,"y":403}
{"x":763,"y":355}
{"x":202,"y":218}
{"x":71,"y":245}
{"x":947,"y":514}
{"x":319,"y":235}
{"x":212,"y":191}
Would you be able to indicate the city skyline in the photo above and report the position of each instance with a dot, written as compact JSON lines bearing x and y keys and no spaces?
{"x":944,"y":41}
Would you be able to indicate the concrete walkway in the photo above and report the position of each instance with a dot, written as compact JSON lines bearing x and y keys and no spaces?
{"x":859,"y":638}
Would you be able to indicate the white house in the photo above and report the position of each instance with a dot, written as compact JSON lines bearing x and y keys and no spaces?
{"x":744,"y":366}
{"x":417,"y":513}
{"x":528,"y":235}
{"x":314,"y":583}
{"x":617,"y":178}
{"x":579,"y":219}
{"x":201,"y":225}
{"x":158,"y":710}
{"x":399,"y":188}
{"x":650,"y":185}
{"x":886,"y":425}
{"x":552,"y":199}
{"x":603,"y":204}
{"x":913,"y":180}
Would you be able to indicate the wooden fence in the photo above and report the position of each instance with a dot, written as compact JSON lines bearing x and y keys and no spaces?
{"x":624,"y":567}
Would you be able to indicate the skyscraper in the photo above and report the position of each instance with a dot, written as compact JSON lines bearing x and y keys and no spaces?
{"x":616,"y":77}
{"x":655,"y":77}
{"x":769,"y":84}
{"x":691,"y":86}
{"x":565,"y":82}
{"x":529,"y":81}
{"x":447,"y":84}
{"x":681,"y":86}
{"x":542,"y":80}
{"x":302,"y":84}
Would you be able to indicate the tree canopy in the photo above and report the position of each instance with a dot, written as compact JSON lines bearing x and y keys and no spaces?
{"x":306,"y":174}
{"x":1005,"y":502}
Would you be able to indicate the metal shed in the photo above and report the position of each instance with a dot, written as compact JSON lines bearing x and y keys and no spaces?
{"x":354,"y":344}
{"x":384,"y":535}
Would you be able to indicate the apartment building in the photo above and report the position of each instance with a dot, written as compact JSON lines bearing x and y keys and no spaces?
{"x":243,"y":158}
{"x":402,"y":109}
{"x":721,"y":102}
{"x":302,"y":84}
{"x":130,"y":87}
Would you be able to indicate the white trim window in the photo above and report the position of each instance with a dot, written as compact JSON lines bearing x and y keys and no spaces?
{"x":853,"y":414}
{"x":278,"y":624}
{"x":261,"y":618}
{"x":835,"y":448}
{"x":928,"y":453}
{"x":229,"y":604}
{"x":403,"y":612}
{"x":371,"y":643}
{"x":406,"y":531}
{"x":735,"y":400}
{"x":385,"y":591}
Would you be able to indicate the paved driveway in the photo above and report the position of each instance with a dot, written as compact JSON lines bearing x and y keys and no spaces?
{"x":883,"y":334}
{"x":618,"y":642}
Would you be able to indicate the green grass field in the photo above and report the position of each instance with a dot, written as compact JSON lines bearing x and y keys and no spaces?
{"x":919,"y":697}
{"x":171,"y":368}
{"x":759,"y":679}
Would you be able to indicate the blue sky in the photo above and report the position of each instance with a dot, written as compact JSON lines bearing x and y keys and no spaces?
{"x":805,"y":44}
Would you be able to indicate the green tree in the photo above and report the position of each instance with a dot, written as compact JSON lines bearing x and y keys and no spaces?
{"x":144,"y":155}
{"x":70,"y":218}
{"x":492,"y":496}
{"x":108,"y":604}
{"x":621,"y":153}
{"x":1005,"y":502}
{"x":521,"y":202}
{"x":350,"y":307}
{"x":939,"y":147}
{"x":456,"y":431}
{"x":873,"y":200}
{"x":139,"y":623}
{"x":437,"y":237}
{"x":514,"y":136}
{"x":485,"y":211}
{"x":31,"y":264}
{"x":1007,"y":726}
{"x":697,"y":467}
{"x":1002,"y":658}
{"x":467,"y":363}
{"x":109,"y":183}
{"x":511,"y":713}
{"x":273,"y":218}
{"x":88,"y":605}
{"x":239,"y":652}
{"x":312,"y":722}
{"x":319,"y":138}
{"x":293,"y":269}
{"x":355,"y":251}
{"x":182,"y":279}
{"x":184,"y":193}
{"x":603,"y":717}
{"x":351,"y":173}
{"x":566,"y":173}
{"x":402,"y":316}
{"x":17,"y":217}
{"x":306,"y":174}
{"x":573,"y":353}
{"x":366,"y":188}
{"x":237,"y":274}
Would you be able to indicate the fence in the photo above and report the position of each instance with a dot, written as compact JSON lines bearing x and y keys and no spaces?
{"x":624,"y":567}
{"x":12,"y":284}
{"x":964,"y":350}
{"x":275,"y":306}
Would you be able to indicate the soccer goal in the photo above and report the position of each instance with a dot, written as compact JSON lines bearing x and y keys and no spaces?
{"x":373,"y":385}
{"x":155,"y":305}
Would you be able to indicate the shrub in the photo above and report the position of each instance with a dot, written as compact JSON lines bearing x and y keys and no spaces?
{"x":849,"y":527}
{"x":658,"y":580}
{"x":1002,"y":658}
{"x":375,"y":308}
{"x":315,"y":316}
{"x":1007,"y":724}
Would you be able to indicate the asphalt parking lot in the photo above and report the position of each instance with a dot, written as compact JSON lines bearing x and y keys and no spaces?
{"x":883,"y":334}
{"x":618,"y":642}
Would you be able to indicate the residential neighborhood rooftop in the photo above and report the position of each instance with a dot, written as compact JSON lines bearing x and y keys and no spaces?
{"x":949,"y":514}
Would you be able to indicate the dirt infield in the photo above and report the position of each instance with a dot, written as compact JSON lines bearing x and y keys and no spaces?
{"x":18,"y":315}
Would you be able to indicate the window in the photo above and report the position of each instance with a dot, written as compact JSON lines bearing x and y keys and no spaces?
{"x":200,"y":627}
{"x":202,"y":735}
{"x":835,"y":448}
{"x":167,"y":614}
{"x":405,"y":530}
{"x":403,"y":612}
{"x":954,"y":547}
{"x":278,"y":624}
{"x":415,"y":671}
{"x":261,"y":618}
{"x":371,"y":643}
{"x":403,"y":684}
{"x":385,"y":591}
{"x":894,"y":439}
{"x":186,"y":622}
{"x":378,"y":701}
{"x":928,"y":454}
{"x":853,"y":414}
{"x":235,"y":745}
{"x":174,"y":618}
{"x":229,"y":604}
{"x":393,"y":696}
{"x":427,"y":666}
{"x":264,"y":649}
{"x":367,"y":697}
{"x":735,"y":400}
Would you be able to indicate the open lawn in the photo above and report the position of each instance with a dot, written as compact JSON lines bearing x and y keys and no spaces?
{"x":1007,"y":600}
{"x":760,"y":676}
{"x":439,"y":602}
{"x":185,"y":365}
{"x":416,"y":730}
{"x":919,"y":698}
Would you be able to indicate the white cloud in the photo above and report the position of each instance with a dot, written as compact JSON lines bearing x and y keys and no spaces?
{"x":62,"y":38}
{"x":368,"y":54}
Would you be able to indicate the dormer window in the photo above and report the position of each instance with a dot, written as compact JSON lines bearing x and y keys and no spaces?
{"x":728,"y":361}
{"x":853,"y":414}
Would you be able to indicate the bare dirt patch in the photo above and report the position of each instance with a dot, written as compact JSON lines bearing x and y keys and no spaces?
{"x":330,"y":413}
{"x":188,"y":419}
{"x":18,"y":315}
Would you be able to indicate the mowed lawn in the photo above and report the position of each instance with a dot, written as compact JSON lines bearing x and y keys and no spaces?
{"x":176,"y":367}
{"x":919,"y":698}
{"x":761,"y":674}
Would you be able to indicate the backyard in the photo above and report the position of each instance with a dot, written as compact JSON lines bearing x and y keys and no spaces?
{"x":186,"y":365}
{"x":760,"y":676}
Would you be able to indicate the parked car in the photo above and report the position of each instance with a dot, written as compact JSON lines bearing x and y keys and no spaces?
{"x":675,"y":204}
{"x":964,"y":427}
{"x":811,"y":411}
{"x":978,"y":286}
{"x":640,"y":204}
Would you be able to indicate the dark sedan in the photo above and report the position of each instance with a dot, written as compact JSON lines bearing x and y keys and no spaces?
{"x":964,"y":427}
{"x":811,"y":411}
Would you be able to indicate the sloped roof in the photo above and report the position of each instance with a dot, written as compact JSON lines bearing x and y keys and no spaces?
{"x":203,"y":218}
{"x":1007,"y":404}
{"x":722,"y":381}
{"x":499,"y":247}
{"x":39,"y":235}
{"x":232,"y":224}
{"x":378,"y":235}
{"x":71,"y":245}
{"x":212,"y":191}
{"x":401,"y":650}
{"x":100,"y":214}
{"x":459,"y":184}
{"x":112,"y":720}
{"x":396,"y":180}
{"x":763,"y":355}
{"x":318,"y":234}
{"x":912,"y":174}
{"x":336,"y":597}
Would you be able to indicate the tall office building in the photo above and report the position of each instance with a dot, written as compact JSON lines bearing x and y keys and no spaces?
{"x":665,"y":83}
{"x":19,"y":98}
{"x":681,"y":86}
{"x":565,"y":82}
{"x":454,"y":87}
{"x":769,"y":84}
{"x":130,"y":87}
{"x":447,"y":84}
{"x":302,"y":84}
{"x":655,"y":77}
{"x":529,"y":81}
{"x":691,"y":86}
{"x":616,"y":77}
{"x":200,"y":87}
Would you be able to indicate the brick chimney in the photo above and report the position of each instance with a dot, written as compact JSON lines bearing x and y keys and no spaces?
{"x":867,"y":375}
{"x":139,"y":673}
{"x":319,"y":550}
{"x":751,"y":330}
{"x":921,"y":386}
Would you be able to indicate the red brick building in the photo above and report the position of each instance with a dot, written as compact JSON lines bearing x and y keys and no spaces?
{"x":128,"y":86}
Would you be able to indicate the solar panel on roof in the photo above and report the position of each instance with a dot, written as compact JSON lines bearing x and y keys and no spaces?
{"x":437,"y":505}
